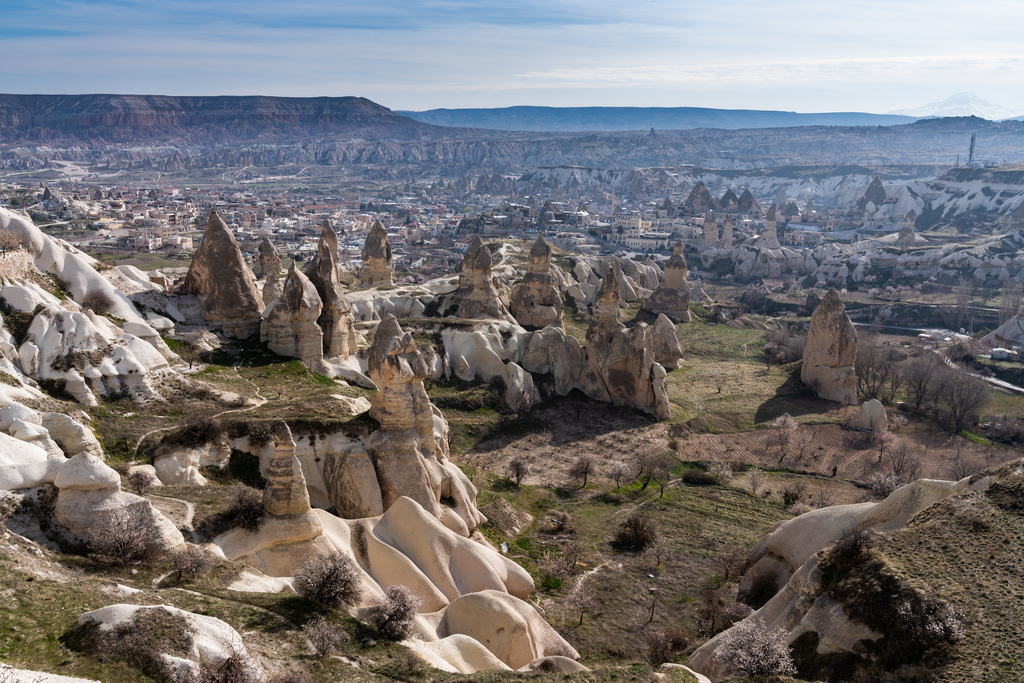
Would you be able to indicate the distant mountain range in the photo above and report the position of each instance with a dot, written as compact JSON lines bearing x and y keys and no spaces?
{"x":574,"y":119}
{"x":962,"y":104}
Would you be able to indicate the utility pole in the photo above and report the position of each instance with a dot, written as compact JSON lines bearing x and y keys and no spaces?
{"x":970,"y":159}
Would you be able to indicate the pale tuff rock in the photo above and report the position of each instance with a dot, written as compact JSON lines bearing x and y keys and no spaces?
{"x":290,"y":324}
{"x":90,"y":496}
{"x":907,"y":238}
{"x":624,"y":360}
{"x":34,"y":445}
{"x":272,"y":288}
{"x":726,"y":241}
{"x":225,"y":285}
{"x":709,"y":232}
{"x":667,"y":349}
{"x":536,"y":302}
{"x":285,"y":493}
{"x":407,"y":457}
{"x":830,"y":352}
{"x":267,"y":259}
{"x":24,"y":465}
{"x":209,"y":639}
{"x":179,"y":465}
{"x":870,"y":417}
{"x":672,"y":297}
{"x":378,"y":263}
{"x":477,"y":295}
{"x":336,"y":319}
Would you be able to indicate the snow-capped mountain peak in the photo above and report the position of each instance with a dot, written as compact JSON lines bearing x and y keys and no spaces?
{"x":962,"y":104}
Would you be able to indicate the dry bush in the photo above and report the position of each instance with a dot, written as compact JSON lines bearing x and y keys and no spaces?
{"x":237,"y":669}
{"x":751,"y":648}
{"x":662,"y":646}
{"x":138,"y":643}
{"x":328,"y":580}
{"x":245,"y":508}
{"x":139,"y":480}
{"x":517,"y":470}
{"x":884,"y":484}
{"x":392,"y":615}
{"x":324,"y":636}
{"x":128,"y":536}
{"x":98,"y":301}
{"x":824,"y":496}
{"x":190,"y":561}
{"x":561,"y":521}
{"x":637,"y":533}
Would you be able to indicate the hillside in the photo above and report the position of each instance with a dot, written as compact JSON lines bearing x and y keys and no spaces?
{"x":576,"y":119}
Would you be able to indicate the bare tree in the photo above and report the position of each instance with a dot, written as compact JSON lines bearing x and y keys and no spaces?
{"x":517,"y":470}
{"x":329,"y":580}
{"x":324,"y":636}
{"x":192,"y":349}
{"x":581,"y":599}
{"x":8,"y":241}
{"x":919,"y":375}
{"x":190,"y":561}
{"x":903,"y":461}
{"x":756,"y":478}
{"x":785,"y":429}
{"x":875,"y":366}
{"x":127,"y":536}
{"x":824,"y":496}
{"x":954,"y":315}
{"x":1011,"y":296}
{"x":965,"y":396}
{"x":751,"y":648}
{"x":960,"y":464}
{"x":139,"y":481}
{"x":582,"y":468}
{"x":618,"y":472}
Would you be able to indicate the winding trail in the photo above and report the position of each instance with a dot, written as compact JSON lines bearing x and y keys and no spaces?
{"x":259,"y":398}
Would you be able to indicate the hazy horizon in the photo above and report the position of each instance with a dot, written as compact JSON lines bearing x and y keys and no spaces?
{"x":796,"y":55}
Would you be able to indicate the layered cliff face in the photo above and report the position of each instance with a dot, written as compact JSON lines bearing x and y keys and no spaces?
{"x":122,"y":118}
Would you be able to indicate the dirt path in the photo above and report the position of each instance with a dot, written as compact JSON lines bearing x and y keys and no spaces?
{"x":259,"y":398}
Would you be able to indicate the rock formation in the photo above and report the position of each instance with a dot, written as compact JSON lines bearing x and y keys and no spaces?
{"x":267,"y":259}
{"x":285,"y":492}
{"x":536,"y":302}
{"x":477,"y":296}
{"x":907,"y":238}
{"x":408,"y":458}
{"x":830,"y":352}
{"x":272,"y":288}
{"x":672,"y":297}
{"x":290,"y":325}
{"x":90,"y":497}
{"x":336,"y":319}
{"x":870,"y":417}
{"x":378,"y":266}
{"x":726,"y":241}
{"x":667,"y":349}
{"x":225,"y":285}
{"x":769,"y":237}
{"x":624,"y":360}
{"x":709,"y":233}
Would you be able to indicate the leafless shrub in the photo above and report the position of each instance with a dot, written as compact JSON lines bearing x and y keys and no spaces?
{"x":561,"y":521}
{"x":139,"y":480}
{"x":582,"y":468}
{"x":245,"y":508}
{"x":785,"y":429}
{"x":637,"y":533}
{"x":8,"y":241}
{"x":756,"y":478}
{"x":190,"y":561}
{"x":919,"y":376}
{"x":876,"y":366}
{"x":237,"y":669}
{"x":128,"y":536}
{"x":192,"y":349}
{"x":965,"y":396}
{"x":824,"y":496}
{"x":98,"y":301}
{"x":393,"y":615}
{"x":324,"y":636}
{"x":897,"y":422}
{"x":903,"y":460}
{"x":619,"y":472}
{"x":517,"y":470}
{"x":328,"y":580}
{"x":662,"y":646}
{"x":751,"y":648}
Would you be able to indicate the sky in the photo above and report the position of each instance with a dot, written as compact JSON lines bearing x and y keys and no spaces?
{"x":793,"y":55}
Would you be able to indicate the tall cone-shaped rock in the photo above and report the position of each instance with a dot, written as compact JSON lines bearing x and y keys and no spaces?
{"x":477,"y":296}
{"x":267,"y":259}
{"x":225,"y":285}
{"x":672,"y":297}
{"x":378,"y":263}
{"x":536,"y":302}
{"x":290,"y":326}
{"x":623,"y":359}
{"x":336,"y":319}
{"x":285,"y":493}
{"x":408,"y":451}
{"x":830,"y":352}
